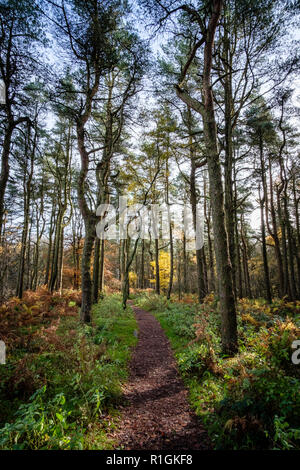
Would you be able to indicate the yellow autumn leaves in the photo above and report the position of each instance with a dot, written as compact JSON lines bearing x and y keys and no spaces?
{"x":164,"y":271}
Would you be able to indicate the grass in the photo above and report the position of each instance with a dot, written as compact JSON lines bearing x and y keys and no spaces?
{"x":61,"y":386}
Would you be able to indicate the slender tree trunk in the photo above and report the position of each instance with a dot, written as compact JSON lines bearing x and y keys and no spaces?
{"x":263,"y":203}
{"x":142,"y":272}
{"x":264,"y":250}
{"x":27,"y":198}
{"x":56,"y":251}
{"x":170,"y":232}
{"x":245,"y":260}
{"x":185,"y":266}
{"x":199,"y":252}
{"x":274,"y":232}
{"x":179,"y":273}
{"x":5,"y":170}
{"x":49,"y":253}
{"x":297,"y":241}
{"x":290,"y":250}
{"x":28,"y":254}
{"x":171,"y":262}
{"x":207,"y":216}
{"x":238,"y":256}
{"x":101,"y":269}
{"x":122,"y":260}
{"x":86,"y":281}
{"x":157,"y":280}
{"x":96,"y":270}
{"x":229,"y":202}
{"x":60,"y":263}
{"x":129,"y":260}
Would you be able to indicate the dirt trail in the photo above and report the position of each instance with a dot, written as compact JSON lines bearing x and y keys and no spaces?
{"x":157,"y":415}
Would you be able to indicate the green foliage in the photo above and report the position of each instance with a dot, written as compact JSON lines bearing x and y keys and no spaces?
{"x":42,"y":424}
{"x":76,"y":379}
{"x":250,"y":401}
{"x":284,"y":434}
{"x":151,"y":302}
{"x":193,"y":361}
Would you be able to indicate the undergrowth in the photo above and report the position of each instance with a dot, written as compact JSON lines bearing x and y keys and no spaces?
{"x":252,"y":400}
{"x":62,"y":380}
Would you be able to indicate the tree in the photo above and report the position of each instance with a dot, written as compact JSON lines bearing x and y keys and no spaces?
{"x":164,"y":269}
{"x":20,"y":33}
{"x":94,"y":47}
{"x":207,"y":21}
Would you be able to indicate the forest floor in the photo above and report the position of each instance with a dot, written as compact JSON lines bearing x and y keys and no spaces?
{"x":157,"y":414}
{"x":66,"y":385}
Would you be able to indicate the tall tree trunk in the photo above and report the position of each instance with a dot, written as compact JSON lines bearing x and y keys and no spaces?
{"x":86,"y":281}
{"x":89,"y":220}
{"x":59,"y":282}
{"x":49,"y":252}
{"x":263,"y":203}
{"x":193,"y":199}
{"x":157,"y":280}
{"x":101,"y":269}
{"x":290,"y":249}
{"x":211,"y":286}
{"x":27,"y":198}
{"x":179,"y":273}
{"x":227,"y":301}
{"x":286,"y":284}
{"x":264,"y":249}
{"x":129,"y":259}
{"x":171,"y":262}
{"x":56,"y":251}
{"x":274,"y":231}
{"x":170,"y":231}
{"x":224,"y":268}
{"x":122,"y":260}
{"x":28,"y":255}
{"x":185,"y":266}
{"x":245,"y":260}
{"x":238,"y":258}
{"x":96,"y":270}
{"x":239,"y":282}
{"x":297,"y":241}
{"x":142,"y":271}
{"x":5,"y":170}
{"x":229,"y":202}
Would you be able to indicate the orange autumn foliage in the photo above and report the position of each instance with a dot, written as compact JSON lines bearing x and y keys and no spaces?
{"x":35,"y":310}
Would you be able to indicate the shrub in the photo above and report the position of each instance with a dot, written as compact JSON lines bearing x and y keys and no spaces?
{"x":42,"y":424}
{"x":251,"y":400}
{"x":151,"y":302}
{"x":55,"y":393}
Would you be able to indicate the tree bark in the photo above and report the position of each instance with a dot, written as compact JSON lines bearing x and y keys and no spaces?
{"x":227,"y":301}
{"x":224,"y":268}
{"x":157,"y":280}
{"x":264,"y":250}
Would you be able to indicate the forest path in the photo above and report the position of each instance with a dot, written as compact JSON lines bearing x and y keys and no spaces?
{"x":157,"y":415}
